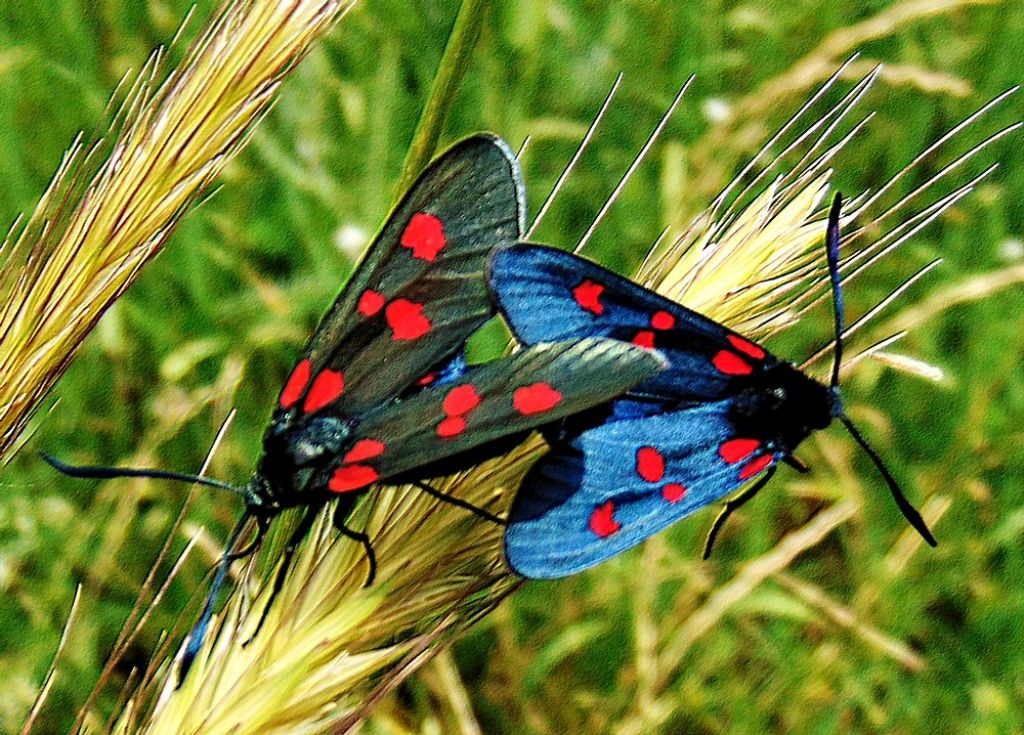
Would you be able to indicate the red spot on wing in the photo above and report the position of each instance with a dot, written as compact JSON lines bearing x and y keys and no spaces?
{"x":364,"y":449}
{"x":644,"y":338}
{"x":746,"y":347}
{"x":370,"y":302}
{"x":754,"y":466}
{"x":352,"y":477}
{"x":736,"y":450}
{"x":328,"y":385}
{"x":673,"y":492}
{"x":731,"y":364}
{"x":406,"y":319}
{"x":536,"y":398}
{"x":424,"y":235}
{"x":427,"y":379}
{"x":662,"y":320}
{"x":460,"y":400}
{"x":602,"y":520}
{"x":650,"y":465}
{"x":451,"y":426}
{"x":588,"y":296}
{"x":296,"y":384}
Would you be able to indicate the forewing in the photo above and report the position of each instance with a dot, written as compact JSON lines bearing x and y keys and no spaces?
{"x":621,"y":483}
{"x":535,"y":386}
{"x":547,"y":294}
{"x":421,"y":288}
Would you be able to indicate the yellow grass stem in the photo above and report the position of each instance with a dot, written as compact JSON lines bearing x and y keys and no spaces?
{"x":450,"y":73}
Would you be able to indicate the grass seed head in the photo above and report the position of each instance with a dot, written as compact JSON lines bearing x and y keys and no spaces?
{"x":112,"y":205}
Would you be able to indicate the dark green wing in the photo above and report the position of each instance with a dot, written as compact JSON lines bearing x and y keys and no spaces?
{"x":421,"y":288}
{"x":535,"y":386}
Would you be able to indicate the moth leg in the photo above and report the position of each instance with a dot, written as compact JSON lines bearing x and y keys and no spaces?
{"x":198,"y":633}
{"x":796,"y":464}
{"x":362,"y":538}
{"x":459,"y":503}
{"x":731,"y":505}
{"x":262,"y":524}
{"x":298,"y":534}
{"x":246,"y":585}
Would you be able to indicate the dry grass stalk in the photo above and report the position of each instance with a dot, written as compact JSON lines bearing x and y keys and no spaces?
{"x":112,"y":205}
{"x":329,"y":641}
{"x":746,"y":128}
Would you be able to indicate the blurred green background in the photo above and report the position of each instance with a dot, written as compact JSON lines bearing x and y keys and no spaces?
{"x":866,"y":631}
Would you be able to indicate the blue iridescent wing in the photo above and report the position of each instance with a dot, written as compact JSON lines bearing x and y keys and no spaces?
{"x":624,"y":481}
{"x":549,"y":295}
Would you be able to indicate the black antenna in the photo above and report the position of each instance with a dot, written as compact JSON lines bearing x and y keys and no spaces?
{"x":106,"y":473}
{"x":909,"y":511}
{"x":832,"y":253}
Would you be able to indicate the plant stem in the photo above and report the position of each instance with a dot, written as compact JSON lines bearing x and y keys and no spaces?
{"x":450,"y":73}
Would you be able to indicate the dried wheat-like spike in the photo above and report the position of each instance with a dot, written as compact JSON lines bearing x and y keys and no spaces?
{"x":112,"y":204}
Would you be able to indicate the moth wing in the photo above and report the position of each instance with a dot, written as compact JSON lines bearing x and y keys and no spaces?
{"x":535,"y":386}
{"x":620,"y":483}
{"x":421,"y":288}
{"x":546,"y":294}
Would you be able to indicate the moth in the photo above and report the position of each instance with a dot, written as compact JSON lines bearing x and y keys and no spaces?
{"x":382,"y":391}
{"x":723,"y":413}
